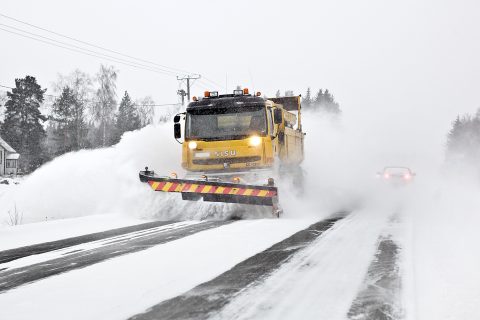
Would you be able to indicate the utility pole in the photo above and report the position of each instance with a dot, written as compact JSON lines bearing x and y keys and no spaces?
{"x":182,"y":94}
{"x":188,"y":78}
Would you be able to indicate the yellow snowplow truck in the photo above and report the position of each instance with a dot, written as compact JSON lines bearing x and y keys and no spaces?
{"x":233,"y":146}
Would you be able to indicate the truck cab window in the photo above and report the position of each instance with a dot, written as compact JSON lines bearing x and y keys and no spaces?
{"x":270,"y":122}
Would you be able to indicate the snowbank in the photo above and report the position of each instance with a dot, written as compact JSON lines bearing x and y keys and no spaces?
{"x":98,"y":181}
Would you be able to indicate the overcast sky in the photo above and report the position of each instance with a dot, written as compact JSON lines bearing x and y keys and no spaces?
{"x":393,"y":58}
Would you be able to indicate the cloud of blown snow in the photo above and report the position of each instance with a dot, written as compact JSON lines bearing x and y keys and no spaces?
{"x":106,"y":181}
{"x":96,"y":181}
{"x":342,"y":157}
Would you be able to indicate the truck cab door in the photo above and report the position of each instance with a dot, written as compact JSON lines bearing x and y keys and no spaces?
{"x":273,"y":131}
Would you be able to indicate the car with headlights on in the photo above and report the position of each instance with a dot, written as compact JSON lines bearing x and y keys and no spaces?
{"x":396,"y":175}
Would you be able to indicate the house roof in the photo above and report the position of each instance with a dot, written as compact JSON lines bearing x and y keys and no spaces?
{"x":12,"y":156}
{"x":6,"y":146}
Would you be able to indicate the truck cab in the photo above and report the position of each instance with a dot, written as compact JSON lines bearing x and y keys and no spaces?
{"x":240,"y":132}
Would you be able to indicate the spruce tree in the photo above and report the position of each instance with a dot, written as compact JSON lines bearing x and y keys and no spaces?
{"x":127,"y":117}
{"x":22,"y":127}
{"x":453,"y":135}
{"x":70,"y":129}
{"x":307,"y":100}
{"x":319,"y":99}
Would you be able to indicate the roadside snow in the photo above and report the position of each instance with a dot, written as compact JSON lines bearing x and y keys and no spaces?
{"x":32,"y":233}
{"x":444,"y":260}
{"x":123,"y":286}
{"x":7,"y":183}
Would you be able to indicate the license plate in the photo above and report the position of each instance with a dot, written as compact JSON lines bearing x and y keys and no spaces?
{"x":202,"y":154}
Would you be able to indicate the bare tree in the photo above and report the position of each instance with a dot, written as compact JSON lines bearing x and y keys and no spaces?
{"x":166,"y":113}
{"x":3,"y":99}
{"x":80,"y":84}
{"x":15,"y":217}
{"x":145,"y":110}
{"x":105,"y":99}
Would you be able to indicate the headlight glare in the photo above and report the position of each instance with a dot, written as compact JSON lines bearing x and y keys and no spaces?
{"x":255,"y":141}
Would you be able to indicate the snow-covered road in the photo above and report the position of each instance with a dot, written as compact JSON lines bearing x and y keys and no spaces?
{"x":363,"y":265}
{"x":321,"y":281}
{"x":129,"y":284}
{"x":251,"y":269}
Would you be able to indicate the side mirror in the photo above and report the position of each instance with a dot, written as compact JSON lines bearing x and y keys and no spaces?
{"x":277,"y":114}
{"x":176,"y":119}
{"x":177,"y":130}
{"x":281,"y":137}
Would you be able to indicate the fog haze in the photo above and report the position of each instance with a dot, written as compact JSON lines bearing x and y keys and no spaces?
{"x":407,"y":56}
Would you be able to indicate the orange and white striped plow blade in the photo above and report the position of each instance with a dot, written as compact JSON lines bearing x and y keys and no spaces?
{"x":183,"y":187}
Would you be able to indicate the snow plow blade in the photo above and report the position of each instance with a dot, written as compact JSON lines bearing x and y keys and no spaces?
{"x":213,"y":191}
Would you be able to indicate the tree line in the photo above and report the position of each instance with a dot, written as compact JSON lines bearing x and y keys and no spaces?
{"x":322,"y":101}
{"x":463,"y":141}
{"x":83,"y":113}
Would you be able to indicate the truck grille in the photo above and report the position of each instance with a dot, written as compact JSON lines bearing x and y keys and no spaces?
{"x":226,"y":160}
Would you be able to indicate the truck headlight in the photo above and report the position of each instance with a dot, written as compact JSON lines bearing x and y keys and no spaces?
{"x":255,"y":141}
{"x":192,"y":145}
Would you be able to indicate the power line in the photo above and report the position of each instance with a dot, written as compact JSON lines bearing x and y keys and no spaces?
{"x":100,"y":55}
{"x":213,"y":82}
{"x":92,"y":101}
{"x":149,"y":66}
{"x":91,"y":44}
{"x":48,"y":95}
{"x":85,"y":53}
{"x":81,"y":48}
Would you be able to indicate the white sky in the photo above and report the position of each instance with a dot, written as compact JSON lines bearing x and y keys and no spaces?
{"x":393,"y":58}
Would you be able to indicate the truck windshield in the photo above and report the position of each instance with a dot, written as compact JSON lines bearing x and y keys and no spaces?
{"x":226,"y":123}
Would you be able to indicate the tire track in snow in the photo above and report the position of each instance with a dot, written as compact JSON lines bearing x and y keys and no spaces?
{"x":380,"y":296}
{"x":22,"y":252}
{"x":321,"y":281}
{"x":93,"y":245}
{"x":213,"y":295}
{"x":12,"y":278}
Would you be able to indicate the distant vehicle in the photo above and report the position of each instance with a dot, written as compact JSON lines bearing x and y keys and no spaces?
{"x":396,"y":174}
